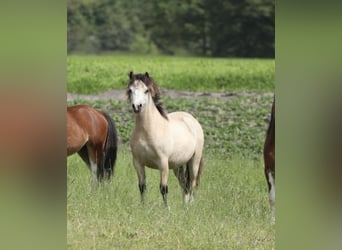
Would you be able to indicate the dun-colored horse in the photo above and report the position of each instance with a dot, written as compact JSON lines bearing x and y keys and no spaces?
{"x":92,"y":134}
{"x":163,"y":141}
{"x":269,"y":160}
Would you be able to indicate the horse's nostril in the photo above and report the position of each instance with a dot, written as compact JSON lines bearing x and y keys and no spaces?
{"x":136,"y":108}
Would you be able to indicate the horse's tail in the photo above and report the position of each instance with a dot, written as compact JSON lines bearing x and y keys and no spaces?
{"x":200,"y":170}
{"x":271,"y":126}
{"x":110,"y":148}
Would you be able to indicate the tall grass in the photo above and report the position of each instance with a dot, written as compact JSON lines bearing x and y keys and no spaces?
{"x":230,"y":209}
{"x":94,"y":74}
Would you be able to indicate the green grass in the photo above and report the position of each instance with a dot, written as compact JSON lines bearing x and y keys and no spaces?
{"x":230,"y":209}
{"x":94,"y":74}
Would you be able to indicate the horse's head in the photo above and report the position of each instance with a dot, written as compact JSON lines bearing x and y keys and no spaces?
{"x":138,"y":91}
{"x":140,"y":86}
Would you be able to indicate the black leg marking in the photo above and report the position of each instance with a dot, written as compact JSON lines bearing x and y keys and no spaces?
{"x":142,"y":188}
{"x":164,"y":190}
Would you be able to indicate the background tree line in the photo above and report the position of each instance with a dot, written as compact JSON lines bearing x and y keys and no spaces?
{"x":221,"y":28}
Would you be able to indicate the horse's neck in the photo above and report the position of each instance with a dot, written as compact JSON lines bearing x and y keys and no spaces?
{"x":149,"y":118}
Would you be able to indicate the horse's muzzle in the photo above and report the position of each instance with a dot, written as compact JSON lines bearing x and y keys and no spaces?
{"x":136,"y":108}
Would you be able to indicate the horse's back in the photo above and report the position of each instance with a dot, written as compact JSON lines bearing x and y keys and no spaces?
{"x":84,"y":123}
{"x":90,"y":119}
{"x":76,"y":135}
{"x":191,"y":123}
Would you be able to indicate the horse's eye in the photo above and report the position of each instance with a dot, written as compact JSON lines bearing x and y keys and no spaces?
{"x":129,"y":91}
{"x":146,"y":91}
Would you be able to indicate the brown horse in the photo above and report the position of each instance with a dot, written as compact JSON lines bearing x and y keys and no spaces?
{"x":163,"y":141}
{"x":92,"y":134}
{"x":269,"y":160}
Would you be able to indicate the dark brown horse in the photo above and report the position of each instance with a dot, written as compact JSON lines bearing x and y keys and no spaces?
{"x":92,"y":134}
{"x":269,"y":160}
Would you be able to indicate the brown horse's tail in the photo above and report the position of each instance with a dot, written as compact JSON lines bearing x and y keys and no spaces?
{"x":110,"y":148}
{"x":271,"y":126}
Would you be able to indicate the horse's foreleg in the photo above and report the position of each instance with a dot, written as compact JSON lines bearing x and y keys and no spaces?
{"x":141,"y":178}
{"x":164,"y":172}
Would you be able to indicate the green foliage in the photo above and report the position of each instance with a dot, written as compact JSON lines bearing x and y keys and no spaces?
{"x":142,"y":45}
{"x":232,"y":126}
{"x":196,"y":27}
{"x":93,"y":74}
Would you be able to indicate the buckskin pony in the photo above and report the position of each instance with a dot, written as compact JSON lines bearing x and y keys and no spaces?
{"x":162,"y":140}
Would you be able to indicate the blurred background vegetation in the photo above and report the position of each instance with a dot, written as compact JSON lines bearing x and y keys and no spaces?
{"x":216,"y":28}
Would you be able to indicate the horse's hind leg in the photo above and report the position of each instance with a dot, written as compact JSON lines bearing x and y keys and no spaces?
{"x":183,"y":179}
{"x":88,"y":156}
{"x":179,"y":173}
{"x":93,"y":166}
{"x":83,"y":153}
{"x":192,"y":176}
{"x":100,"y":164}
{"x":190,"y":183}
{"x":183,"y":176}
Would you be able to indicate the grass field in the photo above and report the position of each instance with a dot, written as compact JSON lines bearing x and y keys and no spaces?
{"x":93,"y":74}
{"x":231,"y":209}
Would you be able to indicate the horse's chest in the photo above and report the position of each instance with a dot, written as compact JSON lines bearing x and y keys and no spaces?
{"x":145,"y":151}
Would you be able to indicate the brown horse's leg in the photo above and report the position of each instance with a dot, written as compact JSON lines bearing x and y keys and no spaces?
{"x":100,"y":163}
{"x":92,"y":164}
{"x":272,"y":196}
{"x":83,"y":153}
{"x":269,"y":161}
{"x":271,"y":192}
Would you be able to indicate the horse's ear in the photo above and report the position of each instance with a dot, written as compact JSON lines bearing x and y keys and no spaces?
{"x":130,"y":75}
{"x":146,"y":74}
